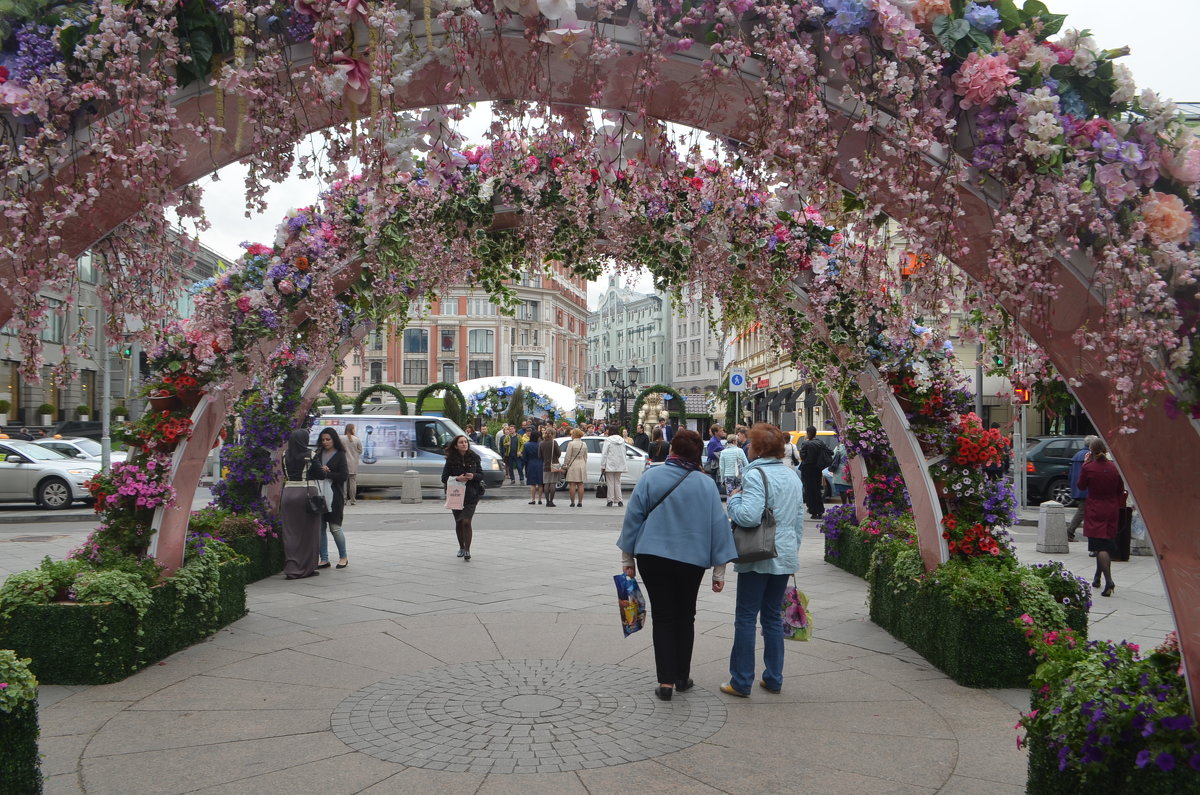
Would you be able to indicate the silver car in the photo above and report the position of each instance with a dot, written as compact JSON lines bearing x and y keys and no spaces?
{"x":637,"y":459}
{"x":86,"y":449}
{"x":30,"y":472}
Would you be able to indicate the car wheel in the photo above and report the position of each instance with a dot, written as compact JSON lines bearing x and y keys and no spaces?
{"x":1060,"y":492}
{"x":54,"y":494}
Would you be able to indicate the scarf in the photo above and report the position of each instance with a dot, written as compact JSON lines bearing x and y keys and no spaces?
{"x":297,"y":454}
{"x":683,"y":462}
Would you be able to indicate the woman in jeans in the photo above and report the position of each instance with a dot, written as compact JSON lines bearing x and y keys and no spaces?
{"x":330,"y":464}
{"x":761,"y":584}
{"x":674,"y":529}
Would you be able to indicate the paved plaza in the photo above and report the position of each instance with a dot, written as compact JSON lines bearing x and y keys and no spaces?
{"x":415,"y":671}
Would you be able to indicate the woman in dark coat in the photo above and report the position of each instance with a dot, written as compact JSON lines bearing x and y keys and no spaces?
{"x":532,"y":458}
{"x":463,"y":464}
{"x":301,"y":529}
{"x":330,"y":464}
{"x":1106,"y":497}
{"x":548,"y":450}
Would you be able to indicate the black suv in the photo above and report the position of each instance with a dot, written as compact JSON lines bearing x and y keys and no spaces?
{"x":1048,"y":468}
{"x":92,"y":429}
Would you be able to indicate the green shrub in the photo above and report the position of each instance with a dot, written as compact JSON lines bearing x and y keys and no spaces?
{"x":19,"y":762}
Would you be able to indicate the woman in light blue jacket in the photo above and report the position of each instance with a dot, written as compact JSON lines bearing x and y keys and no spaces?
{"x":675,"y":528}
{"x":761,"y":584}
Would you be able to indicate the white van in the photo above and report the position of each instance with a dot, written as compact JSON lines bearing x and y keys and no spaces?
{"x":394,"y":443}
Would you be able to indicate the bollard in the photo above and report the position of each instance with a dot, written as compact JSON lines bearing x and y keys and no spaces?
{"x":1052,"y":529}
{"x":410,"y":487}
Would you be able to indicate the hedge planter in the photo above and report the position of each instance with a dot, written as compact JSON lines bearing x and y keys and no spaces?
{"x":1046,"y":779}
{"x":849,"y":550}
{"x":87,"y":644}
{"x":20,"y":772}
{"x":264,"y":556}
{"x":973,"y":646}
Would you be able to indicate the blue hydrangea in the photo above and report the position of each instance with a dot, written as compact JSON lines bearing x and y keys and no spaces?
{"x":983,"y":18}
{"x":1073,"y":104}
{"x":849,"y":16}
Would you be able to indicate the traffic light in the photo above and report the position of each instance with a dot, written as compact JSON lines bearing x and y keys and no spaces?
{"x":126,"y":350}
{"x":998,"y":360}
{"x":1021,"y":395}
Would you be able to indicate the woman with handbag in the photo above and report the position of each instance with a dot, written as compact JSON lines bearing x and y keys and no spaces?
{"x":354,"y":449}
{"x":675,"y":528}
{"x":766,"y":482}
{"x":575,"y":464}
{"x":551,"y":471}
{"x":329,"y":464}
{"x":301,"y":528}
{"x":531,"y":464}
{"x":463,"y":464}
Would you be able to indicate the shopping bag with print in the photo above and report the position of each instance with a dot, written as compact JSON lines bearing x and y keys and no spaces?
{"x":456,"y":493}
{"x":631,"y":603}
{"x":797,"y":621}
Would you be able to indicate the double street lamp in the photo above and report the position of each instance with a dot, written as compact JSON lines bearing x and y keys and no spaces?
{"x":623,"y":388}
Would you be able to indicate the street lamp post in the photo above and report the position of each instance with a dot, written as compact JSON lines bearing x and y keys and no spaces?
{"x":624,"y":388}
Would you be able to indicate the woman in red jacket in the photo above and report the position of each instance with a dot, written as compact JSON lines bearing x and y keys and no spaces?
{"x":1106,"y":498}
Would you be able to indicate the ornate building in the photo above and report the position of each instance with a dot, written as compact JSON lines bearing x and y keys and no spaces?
{"x":628,"y":329}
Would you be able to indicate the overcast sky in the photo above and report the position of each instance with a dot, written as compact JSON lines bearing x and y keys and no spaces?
{"x":1161,"y":33}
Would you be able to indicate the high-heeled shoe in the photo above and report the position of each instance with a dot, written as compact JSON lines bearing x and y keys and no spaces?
{"x":1109,"y":590}
{"x":1096,"y":581}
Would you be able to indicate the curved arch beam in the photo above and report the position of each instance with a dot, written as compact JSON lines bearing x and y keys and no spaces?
{"x":858,"y":467}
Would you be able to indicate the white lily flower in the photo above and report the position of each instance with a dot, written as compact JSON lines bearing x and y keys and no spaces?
{"x":557,"y":9}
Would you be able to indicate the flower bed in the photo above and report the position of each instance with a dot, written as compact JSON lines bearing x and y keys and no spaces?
{"x":1105,"y":719}
{"x":961,"y":616}
{"x":19,"y":763}
{"x":180,"y":612}
{"x":848,"y":544}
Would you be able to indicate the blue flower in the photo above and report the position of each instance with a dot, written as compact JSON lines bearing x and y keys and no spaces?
{"x":849,"y":16}
{"x":984,"y":18}
{"x":1165,"y":762}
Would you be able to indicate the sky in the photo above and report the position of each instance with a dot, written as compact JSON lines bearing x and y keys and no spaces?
{"x":1162,"y":35}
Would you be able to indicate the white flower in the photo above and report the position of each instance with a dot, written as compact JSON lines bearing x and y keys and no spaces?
{"x":567,"y":37}
{"x":1126,"y":89}
{"x":557,"y":9}
{"x":1040,"y":56}
{"x":487,"y":188}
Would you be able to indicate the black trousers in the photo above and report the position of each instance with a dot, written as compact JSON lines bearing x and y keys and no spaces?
{"x":814,"y":490}
{"x":672,"y":587}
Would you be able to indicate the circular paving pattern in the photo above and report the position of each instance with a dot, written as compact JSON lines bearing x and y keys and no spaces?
{"x":523,"y":716}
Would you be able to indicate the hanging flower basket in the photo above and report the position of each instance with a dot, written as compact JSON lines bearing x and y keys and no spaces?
{"x":189,"y":398}
{"x":162,"y":400}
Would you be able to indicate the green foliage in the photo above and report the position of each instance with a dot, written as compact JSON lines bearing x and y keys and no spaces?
{"x":453,"y":402}
{"x":17,"y":685}
{"x":387,"y":388}
{"x":203,"y":34}
{"x":4,"y":406}
{"x":110,"y":585}
{"x":516,"y":407}
{"x":37,"y":586}
{"x":19,"y":762}
{"x":46,"y":408}
{"x":335,"y":400}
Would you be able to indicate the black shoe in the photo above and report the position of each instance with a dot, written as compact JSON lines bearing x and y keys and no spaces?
{"x":683,"y":686}
{"x":1096,"y":582}
{"x":1071,"y":538}
{"x":663,"y":693}
{"x":467,"y":555}
{"x":1109,"y":590}
{"x":324,"y":564}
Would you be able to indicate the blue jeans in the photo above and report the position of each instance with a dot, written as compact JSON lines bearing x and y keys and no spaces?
{"x":339,"y":538}
{"x":758,"y":595}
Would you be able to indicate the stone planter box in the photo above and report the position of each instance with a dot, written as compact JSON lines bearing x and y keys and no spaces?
{"x":20,"y":770}
{"x":87,"y":644}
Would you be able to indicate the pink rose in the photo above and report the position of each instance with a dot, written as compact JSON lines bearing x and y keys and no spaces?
{"x":243,"y":303}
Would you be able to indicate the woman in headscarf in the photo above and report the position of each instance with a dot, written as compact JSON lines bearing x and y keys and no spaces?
{"x":301,"y":529}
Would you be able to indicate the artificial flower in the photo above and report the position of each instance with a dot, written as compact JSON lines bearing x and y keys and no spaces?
{"x":982,"y":79}
{"x":1167,"y":219}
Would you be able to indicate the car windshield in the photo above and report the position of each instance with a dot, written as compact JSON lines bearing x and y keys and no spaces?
{"x":88,"y":446}
{"x":35,"y":452}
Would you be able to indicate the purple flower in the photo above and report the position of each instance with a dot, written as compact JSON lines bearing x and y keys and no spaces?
{"x":1177,"y":723}
{"x":849,"y":16}
{"x":1165,"y":762}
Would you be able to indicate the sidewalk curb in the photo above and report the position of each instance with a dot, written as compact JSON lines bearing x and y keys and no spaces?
{"x":48,"y":517}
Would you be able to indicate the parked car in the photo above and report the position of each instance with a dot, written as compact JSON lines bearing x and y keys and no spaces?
{"x":638,"y":460}
{"x":1048,"y":468}
{"x":394,"y":444}
{"x":32,"y":473}
{"x":87,"y":449}
{"x":76,"y":429}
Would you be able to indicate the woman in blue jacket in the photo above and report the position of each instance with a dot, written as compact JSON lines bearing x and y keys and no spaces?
{"x":674,"y":529}
{"x":761,"y":584}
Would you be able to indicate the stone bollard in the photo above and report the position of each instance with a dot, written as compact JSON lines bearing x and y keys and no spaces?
{"x":1052,"y":529}
{"x":410,"y":487}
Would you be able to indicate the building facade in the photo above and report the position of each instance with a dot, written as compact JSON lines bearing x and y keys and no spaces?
{"x":82,"y":323}
{"x":463,"y":335}
{"x":628,"y":329}
{"x":699,"y":344}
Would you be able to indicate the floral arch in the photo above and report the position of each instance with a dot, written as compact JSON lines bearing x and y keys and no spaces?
{"x":361,"y":400}
{"x":442,"y":386}
{"x":1075,"y":220}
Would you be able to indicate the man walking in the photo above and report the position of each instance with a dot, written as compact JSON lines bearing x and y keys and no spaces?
{"x":510,"y":448}
{"x":712,"y":451}
{"x":814,"y":457}
{"x":1078,"y":494}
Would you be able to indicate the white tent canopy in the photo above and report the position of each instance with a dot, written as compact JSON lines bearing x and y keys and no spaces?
{"x":562,"y":396}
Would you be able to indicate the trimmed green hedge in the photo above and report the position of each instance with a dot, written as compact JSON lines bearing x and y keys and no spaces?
{"x":850,"y":551}
{"x":1046,"y":779}
{"x":973,"y":646}
{"x":58,"y":637}
{"x":264,"y":556}
{"x":20,"y":766}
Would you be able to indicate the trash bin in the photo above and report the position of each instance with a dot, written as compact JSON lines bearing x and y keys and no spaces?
{"x":1124,"y":533}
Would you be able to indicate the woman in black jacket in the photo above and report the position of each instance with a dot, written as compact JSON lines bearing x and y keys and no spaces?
{"x":330,"y":464}
{"x":463,"y":464}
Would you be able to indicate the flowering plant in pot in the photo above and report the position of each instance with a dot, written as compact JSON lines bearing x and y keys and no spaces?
{"x":126,"y":499}
{"x":157,"y":431}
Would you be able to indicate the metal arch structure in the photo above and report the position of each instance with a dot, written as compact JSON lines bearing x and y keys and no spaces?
{"x":1161,"y":458}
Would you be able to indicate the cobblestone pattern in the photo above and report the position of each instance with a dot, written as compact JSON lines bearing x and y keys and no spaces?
{"x":523,"y":716}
